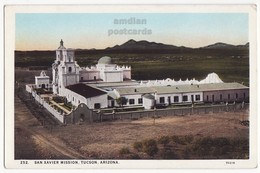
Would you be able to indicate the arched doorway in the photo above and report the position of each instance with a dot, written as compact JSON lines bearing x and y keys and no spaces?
{"x":82,"y":118}
{"x":43,"y":85}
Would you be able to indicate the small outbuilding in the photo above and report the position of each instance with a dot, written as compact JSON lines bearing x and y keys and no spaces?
{"x":42,"y":81}
{"x":148,"y":101}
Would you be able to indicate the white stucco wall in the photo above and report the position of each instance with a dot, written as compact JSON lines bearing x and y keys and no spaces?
{"x":180,"y":95}
{"x":70,"y":79}
{"x":112,"y":76}
{"x":127,"y":74}
{"x":102,"y":100}
{"x":135,"y":97}
{"x":89,"y":75}
{"x":227,"y":95}
{"x":76,"y":99}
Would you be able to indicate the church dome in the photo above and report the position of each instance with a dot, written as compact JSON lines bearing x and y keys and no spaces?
{"x":105,"y":60}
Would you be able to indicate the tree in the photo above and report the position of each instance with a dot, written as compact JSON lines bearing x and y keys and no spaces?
{"x":121,"y":101}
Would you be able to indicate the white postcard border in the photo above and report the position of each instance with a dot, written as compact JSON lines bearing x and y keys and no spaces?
{"x":9,"y":47}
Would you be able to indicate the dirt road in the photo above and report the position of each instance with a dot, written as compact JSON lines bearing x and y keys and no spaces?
{"x":30,"y":141}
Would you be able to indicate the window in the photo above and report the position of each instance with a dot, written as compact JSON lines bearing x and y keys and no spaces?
{"x":81,"y":78}
{"x":176,"y":99}
{"x":220,"y":97}
{"x":213,"y":98}
{"x":236,"y":95}
{"x":244,"y":95}
{"x":131,"y":101}
{"x":162,"y":100}
{"x":70,"y":69}
{"x":112,"y":103}
{"x":228,"y":96}
{"x":97,"y":105}
{"x":184,"y":98}
{"x":197,"y":97}
{"x":140,"y":101}
{"x":207,"y":98}
{"x":169,"y":99}
{"x":192,"y":98}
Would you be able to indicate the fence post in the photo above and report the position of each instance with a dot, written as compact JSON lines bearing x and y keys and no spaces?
{"x":113,"y":114}
{"x":227,"y":106}
{"x":90,"y":116}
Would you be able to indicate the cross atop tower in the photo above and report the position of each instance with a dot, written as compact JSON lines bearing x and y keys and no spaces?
{"x":61,"y":42}
{"x":61,"y":45}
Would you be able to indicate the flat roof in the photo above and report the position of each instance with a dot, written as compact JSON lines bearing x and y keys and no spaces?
{"x":85,"y":90}
{"x":180,"y":88}
{"x":114,"y":84}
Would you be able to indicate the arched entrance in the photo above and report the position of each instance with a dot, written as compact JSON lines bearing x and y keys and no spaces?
{"x":43,"y":85}
{"x":82,"y":118}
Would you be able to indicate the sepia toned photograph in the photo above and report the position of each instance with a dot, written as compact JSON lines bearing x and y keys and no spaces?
{"x":103,"y":86}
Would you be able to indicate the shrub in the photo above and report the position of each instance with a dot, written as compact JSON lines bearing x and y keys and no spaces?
{"x":206,"y":142}
{"x":220,"y":142}
{"x":168,"y":154}
{"x":164,"y":140}
{"x":124,"y":150}
{"x":186,"y":152}
{"x":179,"y":139}
{"x":138,"y":146}
{"x":134,"y":156}
{"x":189,"y":138}
{"x":225,"y":149}
{"x":59,"y":99}
{"x":150,"y":147}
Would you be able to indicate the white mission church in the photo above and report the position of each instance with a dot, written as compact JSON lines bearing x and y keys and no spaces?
{"x":101,"y":85}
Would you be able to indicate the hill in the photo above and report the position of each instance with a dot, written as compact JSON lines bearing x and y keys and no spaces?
{"x":220,"y":45}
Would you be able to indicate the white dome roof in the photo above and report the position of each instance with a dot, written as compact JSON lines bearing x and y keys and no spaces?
{"x":105,"y":60}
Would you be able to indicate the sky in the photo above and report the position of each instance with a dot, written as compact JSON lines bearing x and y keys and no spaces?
{"x":43,"y":31}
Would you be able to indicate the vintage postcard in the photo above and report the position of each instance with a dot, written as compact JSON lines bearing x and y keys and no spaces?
{"x":130,"y":86}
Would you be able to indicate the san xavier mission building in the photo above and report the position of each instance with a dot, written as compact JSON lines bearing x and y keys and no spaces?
{"x":107,"y":86}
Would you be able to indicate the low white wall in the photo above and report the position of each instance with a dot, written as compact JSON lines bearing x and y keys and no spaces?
{"x":54,"y":112}
{"x":28,"y":88}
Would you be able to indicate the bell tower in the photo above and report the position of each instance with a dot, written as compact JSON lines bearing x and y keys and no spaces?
{"x":65,"y":69}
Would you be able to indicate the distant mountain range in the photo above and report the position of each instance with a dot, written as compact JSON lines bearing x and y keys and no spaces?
{"x":220,"y":45}
{"x":146,"y":45}
{"x":143,"y":46}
